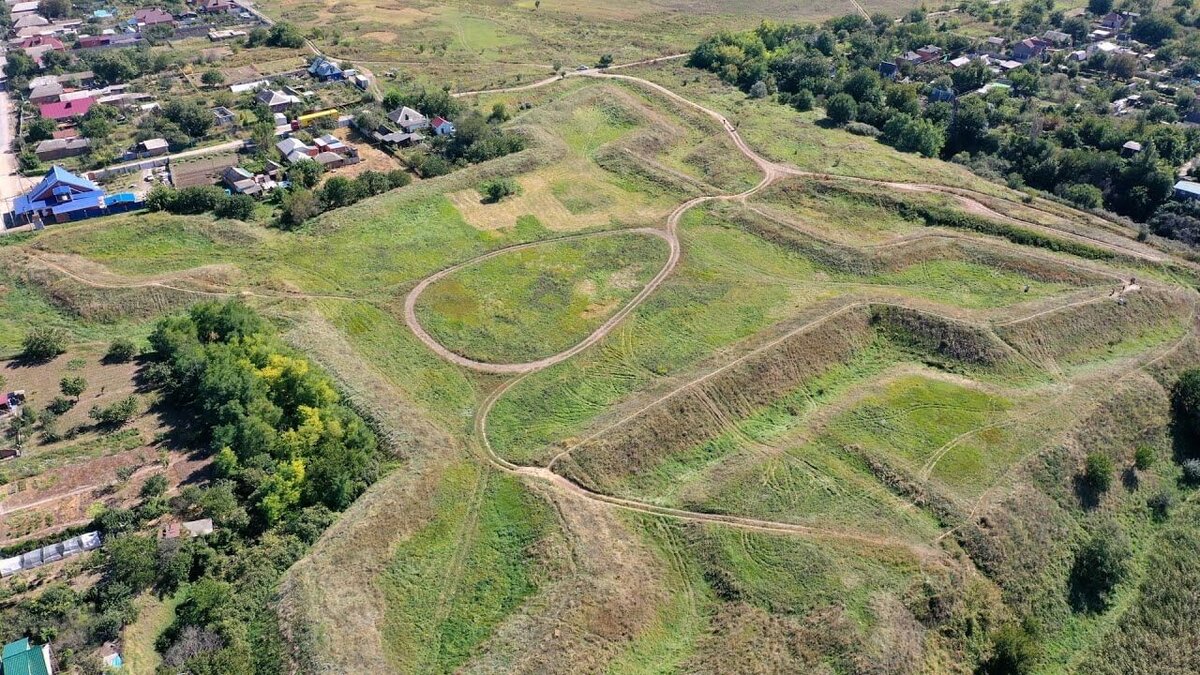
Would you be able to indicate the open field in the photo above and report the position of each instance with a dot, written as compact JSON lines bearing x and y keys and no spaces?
{"x":842,"y":431}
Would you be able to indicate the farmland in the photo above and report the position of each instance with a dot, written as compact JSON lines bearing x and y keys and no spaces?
{"x":698,"y":398}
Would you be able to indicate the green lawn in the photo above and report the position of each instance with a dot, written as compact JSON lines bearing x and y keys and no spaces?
{"x":538,"y":301}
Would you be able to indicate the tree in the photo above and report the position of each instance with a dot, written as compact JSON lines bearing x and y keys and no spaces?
{"x":39,"y":129}
{"x":340,"y":191}
{"x":53,"y":9}
{"x":44,"y":343}
{"x":121,"y":350}
{"x":1081,"y":194}
{"x":194,"y":119}
{"x":72,"y":386}
{"x":498,"y":188}
{"x":912,"y":134}
{"x":802,"y":100}
{"x":605,"y":61}
{"x":155,"y":486}
{"x":19,"y":65}
{"x":1187,"y":399}
{"x":286,"y":35}
{"x":499,"y":113}
{"x":235,"y":207}
{"x":368,"y":120}
{"x":1154,"y":29}
{"x":117,"y":414}
{"x":1143,"y":457}
{"x":1015,"y":652}
{"x":297,"y":207}
{"x":130,"y":560}
{"x":212,"y":77}
{"x":841,"y":109}
{"x":758,"y":90}
{"x":1099,"y":7}
{"x":1098,"y":471}
{"x":305,"y":174}
{"x":1101,"y":564}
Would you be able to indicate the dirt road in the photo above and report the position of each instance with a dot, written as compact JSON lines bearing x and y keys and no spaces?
{"x":12,"y":184}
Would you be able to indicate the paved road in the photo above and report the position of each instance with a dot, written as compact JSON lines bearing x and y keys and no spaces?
{"x":11,"y":183}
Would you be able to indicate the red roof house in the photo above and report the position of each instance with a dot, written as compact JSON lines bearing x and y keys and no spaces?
{"x":152,"y":16}
{"x":40,"y":41}
{"x":65,"y":110}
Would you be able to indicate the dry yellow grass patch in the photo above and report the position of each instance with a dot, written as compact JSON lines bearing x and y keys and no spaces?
{"x":537,"y":198}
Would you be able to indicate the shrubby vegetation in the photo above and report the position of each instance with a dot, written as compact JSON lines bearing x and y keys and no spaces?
{"x":200,"y":199}
{"x":44,"y":343}
{"x":1041,"y":133}
{"x":299,"y":204}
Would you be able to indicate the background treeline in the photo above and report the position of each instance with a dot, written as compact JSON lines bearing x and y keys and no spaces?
{"x":1047,"y":131}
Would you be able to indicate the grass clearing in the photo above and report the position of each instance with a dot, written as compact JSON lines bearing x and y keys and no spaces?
{"x":536,"y":302}
{"x":454,"y":580}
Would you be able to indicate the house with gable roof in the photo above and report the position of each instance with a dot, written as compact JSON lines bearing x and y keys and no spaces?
{"x":408,"y":120}
{"x":61,"y":196}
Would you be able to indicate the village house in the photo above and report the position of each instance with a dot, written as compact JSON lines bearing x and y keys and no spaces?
{"x":152,"y":147}
{"x":46,"y":93}
{"x":1058,"y":38}
{"x":441,"y":126}
{"x":1029,"y":48}
{"x":325,"y":70}
{"x":1113,"y":21}
{"x":408,"y":120}
{"x":218,"y":6}
{"x":62,"y":196}
{"x":241,"y":181}
{"x":65,"y":110}
{"x":330,"y":160}
{"x":56,"y":148}
{"x":276,"y":101}
{"x":30,"y":21}
{"x":330,"y":143}
{"x":152,"y":16}
{"x":224,"y":116}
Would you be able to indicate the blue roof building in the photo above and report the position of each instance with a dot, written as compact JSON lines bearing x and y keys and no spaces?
{"x":62,"y":196}
{"x":323,"y":69}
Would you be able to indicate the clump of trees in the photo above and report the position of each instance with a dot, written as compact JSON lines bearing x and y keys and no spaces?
{"x":497,"y":189}
{"x":1071,"y":146}
{"x":277,"y":426}
{"x":477,"y":138}
{"x":200,"y":199}
{"x":1101,"y":563}
{"x":300,"y":204}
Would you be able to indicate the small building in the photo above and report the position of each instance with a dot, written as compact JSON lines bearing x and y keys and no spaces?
{"x":224,"y":116}
{"x":330,"y":160}
{"x":1186,"y":189}
{"x":397,"y":138}
{"x":242,"y":182}
{"x":59,"y":148}
{"x":217,"y":6}
{"x":1029,"y":48}
{"x":279,"y":119}
{"x":110,"y":656}
{"x":1057,"y":38}
{"x":889,"y":70}
{"x":65,"y":110}
{"x":960,"y":62}
{"x":408,"y":120}
{"x":325,"y":70}
{"x":152,"y":147}
{"x":24,"y":7}
{"x":152,"y":16}
{"x":930,"y":53}
{"x":330,"y":143}
{"x":939,"y":95}
{"x":441,"y":126}
{"x":276,"y":101}
{"x":45,"y":93}
{"x":199,"y":528}
{"x":1130,"y":148}
{"x":30,"y":21}
{"x":289,"y":146}
{"x":1113,"y":21}
{"x":994,"y":46}
{"x":24,"y":658}
{"x":361,"y":81}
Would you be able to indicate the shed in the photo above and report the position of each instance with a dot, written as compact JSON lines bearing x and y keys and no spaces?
{"x":1186,"y":189}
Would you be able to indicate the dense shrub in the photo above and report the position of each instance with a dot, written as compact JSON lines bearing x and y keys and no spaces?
{"x":122,"y":350}
{"x":44,"y":343}
{"x":497,"y":189}
{"x":1101,"y":564}
{"x":1098,"y":472}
